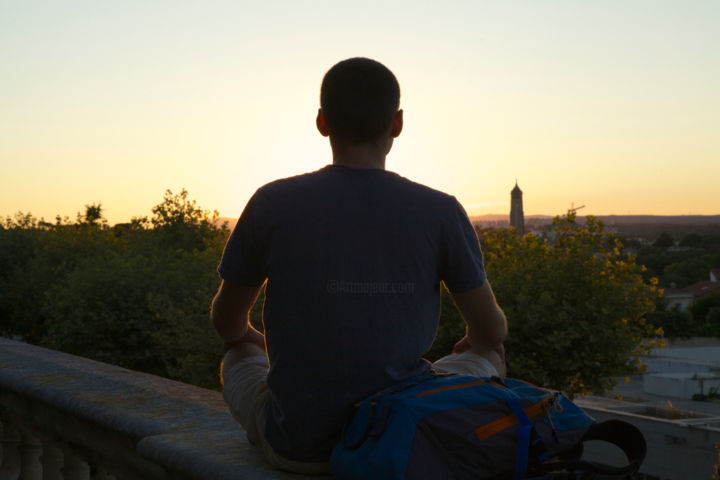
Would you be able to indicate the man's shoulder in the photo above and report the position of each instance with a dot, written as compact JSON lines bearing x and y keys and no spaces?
{"x":426,"y":191}
{"x":284,"y":189}
{"x":334,"y":181}
{"x":290,"y":182}
{"x":432,"y":202}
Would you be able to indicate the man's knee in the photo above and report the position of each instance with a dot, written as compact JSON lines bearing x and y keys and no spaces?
{"x":238,"y":353}
{"x":244,"y":373}
{"x":495,"y":354}
{"x":472,"y":363}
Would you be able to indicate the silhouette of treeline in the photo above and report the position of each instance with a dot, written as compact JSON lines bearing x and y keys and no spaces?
{"x":138,"y":295}
{"x":679,"y":262}
{"x":679,"y":230}
{"x":135,"y":295}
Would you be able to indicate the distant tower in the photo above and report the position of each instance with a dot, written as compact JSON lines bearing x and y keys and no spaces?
{"x":517,"y":217}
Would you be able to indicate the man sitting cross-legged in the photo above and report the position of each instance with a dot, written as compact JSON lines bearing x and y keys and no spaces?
{"x":351,"y":257}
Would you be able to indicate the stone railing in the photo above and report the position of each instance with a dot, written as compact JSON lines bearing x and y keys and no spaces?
{"x":66,"y":417}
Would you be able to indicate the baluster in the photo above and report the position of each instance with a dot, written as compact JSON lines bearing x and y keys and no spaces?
{"x":30,"y":451}
{"x":52,"y":462}
{"x":75,"y":468}
{"x":10,"y":466}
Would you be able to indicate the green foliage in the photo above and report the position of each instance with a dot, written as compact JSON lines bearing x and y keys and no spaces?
{"x":93,"y":215}
{"x":39,"y":255}
{"x":686,"y":272}
{"x":713,"y":395}
{"x":138,"y":295}
{"x":703,"y":305}
{"x":682,"y":267}
{"x":575,"y":306}
{"x":99,"y":311}
{"x":673,"y":323}
{"x":180,"y":223}
{"x":664,"y":241}
{"x":135,"y":295}
{"x":706,"y":316}
{"x":692,"y":240}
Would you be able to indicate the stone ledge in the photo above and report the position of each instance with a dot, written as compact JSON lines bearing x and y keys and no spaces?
{"x":218,"y":455}
{"x":185,"y":430}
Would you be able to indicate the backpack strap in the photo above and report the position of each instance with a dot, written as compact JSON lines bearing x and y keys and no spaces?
{"x":623,"y":435}
{"x":523,"y":448}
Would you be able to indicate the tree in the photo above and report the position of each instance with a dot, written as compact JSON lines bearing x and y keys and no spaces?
{"x":144,"y":303}
{"x":691,"y":240}
{"x":178,"y":210}
{"x":704,"y":304}
{"x":674,"y":323}
{"x":179,"y":223}
{"x":686,"y":271}
{"x":136,"y":296}
{"x":93,"y":215}
{"x":43,"y":254}
{"x":664,"y":241}
{"x":575,"y":306}
{"x":139,"y":295}
{"x":144,"y":313}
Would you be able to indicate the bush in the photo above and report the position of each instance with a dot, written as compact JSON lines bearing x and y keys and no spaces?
{"x":674,"y":323}
{"x":137,"y":296}
{"x":575,"y":307}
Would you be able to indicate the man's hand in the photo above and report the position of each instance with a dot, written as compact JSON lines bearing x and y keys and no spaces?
{"x":495,"y":354}
{"x":462,"y":345}
{"x":252,"y":335}
{"x":230,"y":309}
{"x":486,"y":325}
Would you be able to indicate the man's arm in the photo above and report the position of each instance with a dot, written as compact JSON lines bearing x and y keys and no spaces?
{"x":229,"y":312}
{"x":486,"y":323}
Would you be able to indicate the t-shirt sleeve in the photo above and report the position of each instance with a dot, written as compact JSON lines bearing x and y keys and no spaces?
{"x":462,"y":264}
{"x":243,"y":259}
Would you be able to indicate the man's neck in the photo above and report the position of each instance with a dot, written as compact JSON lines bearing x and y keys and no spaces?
{"x":360,"y":156}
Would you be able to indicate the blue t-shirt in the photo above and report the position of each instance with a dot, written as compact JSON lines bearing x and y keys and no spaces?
{"x":353,"y":259}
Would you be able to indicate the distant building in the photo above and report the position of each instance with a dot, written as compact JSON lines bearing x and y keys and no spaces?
{"x":517,"y":217}
{"x":681,"y":299}
{"x":700,"y":289}
{"x":677,"y":299}
{"x":715,"y":275}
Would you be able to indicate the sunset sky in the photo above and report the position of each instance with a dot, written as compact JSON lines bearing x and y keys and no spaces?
{"x":612,"y":104}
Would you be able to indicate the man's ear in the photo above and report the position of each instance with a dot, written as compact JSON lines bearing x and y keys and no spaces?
{"x":320,"y":123}
{"x":397,"y":124}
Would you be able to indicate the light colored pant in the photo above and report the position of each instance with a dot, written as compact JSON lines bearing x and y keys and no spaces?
{"x":246,"y":391}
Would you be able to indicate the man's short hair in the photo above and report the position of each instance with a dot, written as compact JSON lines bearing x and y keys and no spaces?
{"x":359,"y":98}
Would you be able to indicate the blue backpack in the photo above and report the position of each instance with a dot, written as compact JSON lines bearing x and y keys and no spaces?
{"x":448,"y":426}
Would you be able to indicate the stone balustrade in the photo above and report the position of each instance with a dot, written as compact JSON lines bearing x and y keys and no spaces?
{"x":66,"y":417}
